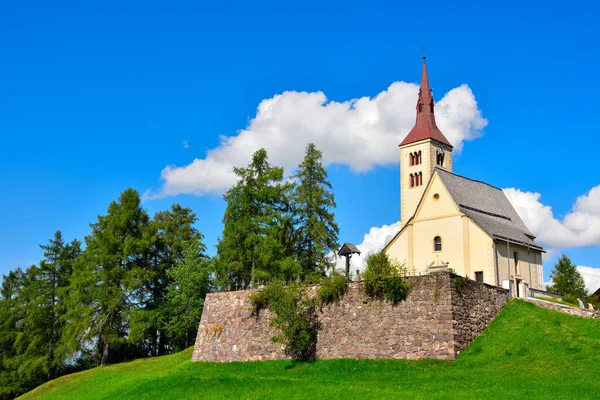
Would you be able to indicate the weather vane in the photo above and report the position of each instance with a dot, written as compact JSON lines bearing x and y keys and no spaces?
{"x":424,"y":53}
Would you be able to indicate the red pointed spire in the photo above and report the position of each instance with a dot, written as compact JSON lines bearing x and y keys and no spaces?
{"x":425,"y":127}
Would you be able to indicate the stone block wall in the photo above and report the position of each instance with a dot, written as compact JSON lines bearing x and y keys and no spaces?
{"x":474,"y":306}
{"x":435,"y":321}
{"x":584,"y":313}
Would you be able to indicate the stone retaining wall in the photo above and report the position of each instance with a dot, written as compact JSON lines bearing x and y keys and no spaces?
{"x":474,"y":306}
{"x":438,"y":319}
{"x":565,"y":309}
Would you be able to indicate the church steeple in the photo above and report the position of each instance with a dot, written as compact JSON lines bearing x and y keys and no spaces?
{"x":424,"y":149}
{"x":425,"y":126}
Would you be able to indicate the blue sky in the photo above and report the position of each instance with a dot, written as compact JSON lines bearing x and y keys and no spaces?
{"x":96,"y":98}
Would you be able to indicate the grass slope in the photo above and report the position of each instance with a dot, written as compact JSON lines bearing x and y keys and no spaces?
{"x":527,"y":352}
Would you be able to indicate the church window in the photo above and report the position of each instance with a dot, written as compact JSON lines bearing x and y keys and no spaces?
{"x":412,"y":180}
{"x":437,"y":243}
{"x":479,"y":276}
{"x":516,"y":257}
{"x":420,"y":179}
{"x":415,"y":158}
{"x":436,"y":197}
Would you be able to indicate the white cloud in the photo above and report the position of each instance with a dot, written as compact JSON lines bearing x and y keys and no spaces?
{"x":591,"y":276}
{"x":372,"y":243}
{"x":360,"y":133}
{"x":580,"y":227}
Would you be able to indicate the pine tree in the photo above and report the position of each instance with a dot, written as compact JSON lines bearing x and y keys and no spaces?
{"x":566,"y":280}
{"x":11,"y":312}
{"x":107,"y":277}
{"x":190,"y":282}
{"x":251,"y":248}
{"x":313,"y":209}
{"x":171,"y":233}
{"x":54,"y":279}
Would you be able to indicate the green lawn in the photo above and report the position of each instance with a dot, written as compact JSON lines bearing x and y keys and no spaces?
{"x":527,"y":352}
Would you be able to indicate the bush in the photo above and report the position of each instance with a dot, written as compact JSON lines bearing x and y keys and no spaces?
{"x":570,"y":299}
{"x":295,"y":318}
{"x":383,"y":278}
{"x":396,"y":290}
{"x":260,"y":300}
{"x":332,"y":288}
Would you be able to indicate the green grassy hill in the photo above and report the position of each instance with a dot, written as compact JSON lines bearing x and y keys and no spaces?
{"x":527,"y":352}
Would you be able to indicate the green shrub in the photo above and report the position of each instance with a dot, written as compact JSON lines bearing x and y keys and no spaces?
{"x":313,"y":278}
{"x":383,"y":278}
{"x":570,"y":299}
{"x":295,"y":318}
{"x":396,"y":290}
{"x":260,"y":299}
{"x":332,"y":288}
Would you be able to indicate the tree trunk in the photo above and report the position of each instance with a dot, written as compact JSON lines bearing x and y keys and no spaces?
{"x":161,"y":343}
{"x":154,"y":344}
{"x":104,"y":355}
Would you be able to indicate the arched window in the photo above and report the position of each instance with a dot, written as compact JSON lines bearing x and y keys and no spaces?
{"x":420,"y":178}
{"x":440,"y":158}
{"x":412,"y":159}
{"x":437,"y":243}
{"x":419,"y":157}
{"x":412,"y":180}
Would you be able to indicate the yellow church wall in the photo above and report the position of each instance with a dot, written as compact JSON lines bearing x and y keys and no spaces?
{"x":481,"y":253}
{"x":529,"y":265}
{"x":398,"y":249}
{"x":448,"y":229}
{"x":437,"y":202}
{"x":410,"y":197}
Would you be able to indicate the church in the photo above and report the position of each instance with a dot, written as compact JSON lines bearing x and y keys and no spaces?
{"x":452,"y":222}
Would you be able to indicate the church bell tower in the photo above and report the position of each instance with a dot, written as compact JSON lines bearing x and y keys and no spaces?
{"x":421,"y":151}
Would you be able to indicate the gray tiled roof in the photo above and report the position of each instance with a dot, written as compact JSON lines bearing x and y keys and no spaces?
{"x":488,"y":207}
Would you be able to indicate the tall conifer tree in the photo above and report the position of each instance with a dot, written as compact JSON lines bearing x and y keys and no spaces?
{"x":190,"y":282}
{"x":313,"y":210}
{"x":109,"y":273}
{"x":54,"y":279}
{"x":566,"y":280}
{"x":172,"y":233}
{"x":251,"y":248}
{"x":11,"y":312}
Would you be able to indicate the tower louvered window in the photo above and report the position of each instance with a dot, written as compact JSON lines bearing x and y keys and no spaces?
{"x":440,"y":158}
